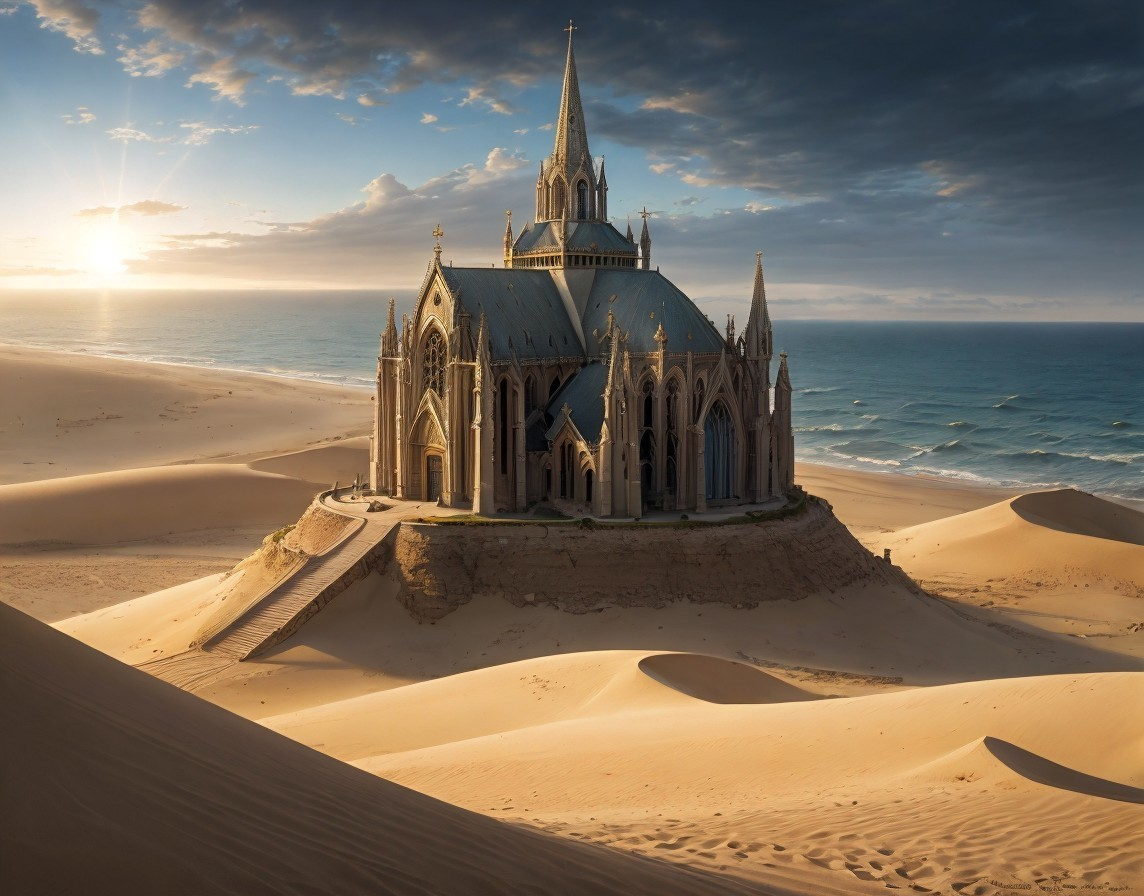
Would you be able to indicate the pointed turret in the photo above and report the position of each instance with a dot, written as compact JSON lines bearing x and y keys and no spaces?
{"x":389,"y":339}
{"x":508,"y":240}
{"x":631,"y":237}
{"x":782,"y":435}
{"x":645,"y":243}
{"x":758,"y":332}
{"x":602,"y":194}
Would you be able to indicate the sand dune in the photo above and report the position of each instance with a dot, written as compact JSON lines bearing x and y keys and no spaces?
{"x":992,"y":762}
{"x":1068,"y":510}
{"x":523,"y":695}
{"x":127,"y":505}
{"x":717,"y":680}
{"x":116,"y":783}
{"x":921,"y":787}
{"x":69,"y":414}
{"x":872,"y":504}
{"x":1062,"y":562}
{"x":693,"y":733}
{"x":1061,"y":538}
{"x":859,"y":640}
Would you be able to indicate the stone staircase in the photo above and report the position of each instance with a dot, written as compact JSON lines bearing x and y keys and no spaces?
{"x":289,"y":604}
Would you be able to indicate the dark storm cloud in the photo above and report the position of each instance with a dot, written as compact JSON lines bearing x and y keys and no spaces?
{"x":1036,"y":104}
{"x":985,"y":137}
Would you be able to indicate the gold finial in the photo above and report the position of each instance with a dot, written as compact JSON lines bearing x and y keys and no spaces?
{"x":570,"y":29}
{"x":437,"y":234}
{"x":645,"y":214}
{"x":759,"y":257}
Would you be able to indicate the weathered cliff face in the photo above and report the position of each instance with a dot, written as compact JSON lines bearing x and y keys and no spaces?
{"x":580,"y":570}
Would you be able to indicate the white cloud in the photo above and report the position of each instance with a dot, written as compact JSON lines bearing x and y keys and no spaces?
{"x":428,"y":118}
{"x":82,"y":115}
{"x":73,"y":18}
{"x":373,"y":98}
{"x":151,"y":59}
{"x":145,"y":207}
{"x":134,"y":135}
{"x":485,"y":97}
{"x":225,"y":79}
{"x":350,"y":119}
{"x":201,"y":133}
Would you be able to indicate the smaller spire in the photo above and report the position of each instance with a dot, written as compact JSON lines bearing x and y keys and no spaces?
{"x":631,"y":236}
{"x":758,"y":332}
{"x":389,"y":339}
{"x":645,"y":242}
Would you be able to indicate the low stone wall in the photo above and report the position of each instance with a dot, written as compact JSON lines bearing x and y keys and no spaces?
{"x":577,"y":569}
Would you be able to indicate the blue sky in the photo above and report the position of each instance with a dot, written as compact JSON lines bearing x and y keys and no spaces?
{"x":892,"y":160}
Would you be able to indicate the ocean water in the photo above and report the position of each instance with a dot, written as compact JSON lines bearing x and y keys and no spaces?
{"x":1015,"y":404}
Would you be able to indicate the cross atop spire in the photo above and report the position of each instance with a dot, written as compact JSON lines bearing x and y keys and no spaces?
{"x":437,"y":234}
{"x":570,"y":29}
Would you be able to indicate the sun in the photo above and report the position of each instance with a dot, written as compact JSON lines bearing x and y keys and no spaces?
{"x":107,"y":244}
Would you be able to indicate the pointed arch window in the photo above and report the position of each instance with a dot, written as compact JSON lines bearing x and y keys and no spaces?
{"x":671,"y":410}
{"x":557,"y":199}
{"x":433,"y":369}
{"x":582,"y":200}
{"x":720,"y":448}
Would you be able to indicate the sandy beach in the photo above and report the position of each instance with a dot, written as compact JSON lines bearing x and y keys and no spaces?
{"x":967,"y":723}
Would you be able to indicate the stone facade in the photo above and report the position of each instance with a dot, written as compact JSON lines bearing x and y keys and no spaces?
{"x":577,"y":374}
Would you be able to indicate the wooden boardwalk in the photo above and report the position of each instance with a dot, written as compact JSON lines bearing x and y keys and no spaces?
{"x":187,"y":670}
{"x":290,"y":603}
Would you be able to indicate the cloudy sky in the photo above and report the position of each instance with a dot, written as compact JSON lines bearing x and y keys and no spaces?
{"x":892,"y":159}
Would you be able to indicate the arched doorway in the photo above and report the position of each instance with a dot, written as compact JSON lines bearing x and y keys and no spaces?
{"x":433,"y":477}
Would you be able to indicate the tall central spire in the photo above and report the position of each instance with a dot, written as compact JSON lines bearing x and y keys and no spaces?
{"x":571,"y":150}
{"x":567,"y":187}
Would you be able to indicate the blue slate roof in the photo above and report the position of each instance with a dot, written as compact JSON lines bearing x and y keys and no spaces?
{"x":524,"y":310}
{"x":584,"y":394}
{"x":583,"y":236}
{"x":644,"y":300}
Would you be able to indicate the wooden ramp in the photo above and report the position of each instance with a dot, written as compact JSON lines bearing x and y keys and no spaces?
{"x":276,"y":616}
{"x":287,"y":606}
{"x":188,"y":670}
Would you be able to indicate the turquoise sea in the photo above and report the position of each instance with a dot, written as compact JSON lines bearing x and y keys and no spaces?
{"x":1016,"y":404}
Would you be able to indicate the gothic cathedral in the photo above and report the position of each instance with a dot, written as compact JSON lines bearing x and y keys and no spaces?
{"x":576,"y":374}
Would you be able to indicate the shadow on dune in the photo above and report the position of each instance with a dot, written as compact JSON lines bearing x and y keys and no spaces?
{"x":1044,"y":771}
{"x":1079,"y":513}
{"x":718,"y":680}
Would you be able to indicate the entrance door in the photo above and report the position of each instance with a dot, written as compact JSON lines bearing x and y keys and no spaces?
{"x":433,"y":477}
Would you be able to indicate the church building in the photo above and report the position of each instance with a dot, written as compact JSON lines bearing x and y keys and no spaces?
{"x":577,"y":374}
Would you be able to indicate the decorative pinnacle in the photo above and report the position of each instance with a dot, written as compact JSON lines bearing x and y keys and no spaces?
{"x":437,"y":234}
{"x":570,"y":29}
